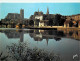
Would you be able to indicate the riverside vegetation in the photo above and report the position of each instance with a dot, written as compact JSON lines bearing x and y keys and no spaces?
{"x":22,"y":52}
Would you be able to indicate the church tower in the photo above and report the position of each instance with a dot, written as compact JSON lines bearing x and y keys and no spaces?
{"x":22,"y":13}
{"x":47,"y":11}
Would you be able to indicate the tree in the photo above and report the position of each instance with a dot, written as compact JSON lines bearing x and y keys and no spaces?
{"x":77,"y":24}
{"x":61,"y":22}
{"x":70,"y":23}
{"x":57,"y":19}
{"x":0,"y":22}
{"x":31,"y":22}
{"x":20,"y":25}
{"x":51,"y":22}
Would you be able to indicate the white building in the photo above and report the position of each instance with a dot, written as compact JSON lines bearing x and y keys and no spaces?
{"x":41,"y":23}
{"x":39,"y":17}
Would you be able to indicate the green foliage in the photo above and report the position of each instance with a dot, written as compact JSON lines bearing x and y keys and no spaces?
{"x":22,"y":52}
{"x":3,"y":58}
{"x":31,"y":22}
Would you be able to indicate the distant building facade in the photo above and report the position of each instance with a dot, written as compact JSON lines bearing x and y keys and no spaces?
{"x":13,"y":16}
{"x":41,"y":19}
{"x":16,"y":15}
{"x":73,"y":20}
{"x":74,"y":17}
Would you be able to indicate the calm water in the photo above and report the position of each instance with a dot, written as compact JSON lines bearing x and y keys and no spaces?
{"x":66,"y":44}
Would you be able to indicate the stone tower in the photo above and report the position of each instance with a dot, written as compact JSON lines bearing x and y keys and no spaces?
{"x":22,"y":13}
{"x":47,"y":11}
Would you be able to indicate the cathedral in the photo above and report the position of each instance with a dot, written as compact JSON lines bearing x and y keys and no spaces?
{"x":16,"y":15}
{"x":41,"y":19}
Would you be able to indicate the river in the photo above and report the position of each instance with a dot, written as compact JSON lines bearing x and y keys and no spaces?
{"x":65,"y":44}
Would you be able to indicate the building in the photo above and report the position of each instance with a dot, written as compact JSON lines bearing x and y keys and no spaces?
{"x":16,"y":15}
{"x":41,"y":23}
{"x":13,"y":16}
{"x":47,"y":19}
{"x":38,"y":17}
{"x":41,"y":19}
{"x":79,"y":24}
{"x":66,"y":24}
{"x":22,"y":13}
{"x":75,"y":19}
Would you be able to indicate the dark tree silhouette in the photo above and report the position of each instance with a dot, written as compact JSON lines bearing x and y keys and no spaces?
{"x":70,"y":23}
{"x":77,"y":24}
{"x":31,"y":22}
{"x":51,"y":22}
{"x":57,"y":19}
{"x":61,"y":22}
{"x":20,"y":25}
{"x":0,"y":23}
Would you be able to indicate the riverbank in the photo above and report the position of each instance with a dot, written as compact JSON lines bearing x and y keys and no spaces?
{"x":47,"y":27}
{"x":54,"y":27}
{"x":7,"y":28}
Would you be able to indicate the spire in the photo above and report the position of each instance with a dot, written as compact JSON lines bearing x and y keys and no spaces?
{"x":47,"y":11}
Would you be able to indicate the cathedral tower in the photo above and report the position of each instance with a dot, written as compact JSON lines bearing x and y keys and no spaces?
{"x":22,"y":13}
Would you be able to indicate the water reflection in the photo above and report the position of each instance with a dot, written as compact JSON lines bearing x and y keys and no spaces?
{"x":74,"y":34}
{"x":61,"y":42}
{"x":39,"y":35}
{"x":11,"y":34}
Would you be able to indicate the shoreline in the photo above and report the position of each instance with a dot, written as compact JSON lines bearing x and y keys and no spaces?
{"x":47,"y":28}
{"x":55,"y":27}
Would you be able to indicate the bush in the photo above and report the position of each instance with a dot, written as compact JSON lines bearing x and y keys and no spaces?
{"x":22,"y":52}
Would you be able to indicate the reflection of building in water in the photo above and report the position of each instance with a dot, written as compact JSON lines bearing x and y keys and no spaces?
{"x":72,"y":34}
{"x":39,"y":35}
{"x":47,"y":41}
{"x":22,"y":36}
{"x":14,"y":34}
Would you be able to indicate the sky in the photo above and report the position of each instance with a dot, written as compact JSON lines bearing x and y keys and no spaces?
{"x":35,"y":1}
{"x":30,"y":8}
